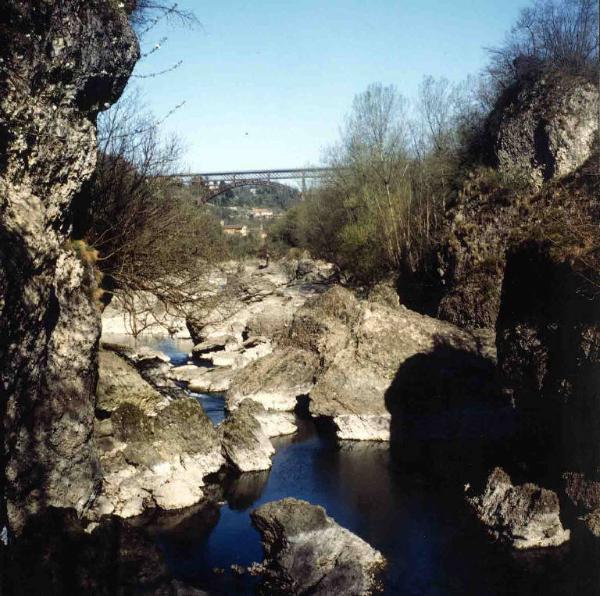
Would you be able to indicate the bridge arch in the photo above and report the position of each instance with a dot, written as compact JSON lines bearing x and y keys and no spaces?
{"x":221,"y":190}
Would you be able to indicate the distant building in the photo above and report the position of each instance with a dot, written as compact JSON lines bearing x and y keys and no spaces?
{"x":261,"y":213}
{"x":235,"y":230}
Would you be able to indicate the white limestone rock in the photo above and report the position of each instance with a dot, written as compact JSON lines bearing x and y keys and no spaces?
{"x":307,"y":552}
{"x":524,"y":516}
{"x":363,"y":428}
{"x":275,"y":381}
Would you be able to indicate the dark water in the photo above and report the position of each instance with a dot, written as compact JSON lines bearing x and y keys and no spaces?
{"x":213,"y":406}
{"x":432,"y":542}
{"x":417,"y":518}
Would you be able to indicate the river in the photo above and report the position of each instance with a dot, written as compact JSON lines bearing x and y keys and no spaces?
{"x":417,"y":519}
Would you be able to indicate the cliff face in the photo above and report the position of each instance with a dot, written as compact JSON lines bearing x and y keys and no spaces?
{"x":542,"y":131}
{"x":60,"y":63}
{"x":544,"y":126}
{"x":548,"y":338}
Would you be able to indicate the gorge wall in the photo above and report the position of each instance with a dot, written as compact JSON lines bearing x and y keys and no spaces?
{"x":541,"y":134}
{"x":548,"y":337}
{"x":60,"y":64}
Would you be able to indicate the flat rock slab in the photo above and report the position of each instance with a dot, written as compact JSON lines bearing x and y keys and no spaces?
{"x":363,"y":428}
{"x":307,"y":552}
{"x":200,"y":379}
{"x":276,"y":424}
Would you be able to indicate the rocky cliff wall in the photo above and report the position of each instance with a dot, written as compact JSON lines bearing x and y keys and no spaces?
{"x":488,"y":219}
{"x":541,"y":134}
{"x":548,"y":338}
{"x":60,"y":64}
{"x":543,"y":127}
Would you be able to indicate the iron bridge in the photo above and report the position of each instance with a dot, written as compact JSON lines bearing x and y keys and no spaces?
{"x":216,"y":183}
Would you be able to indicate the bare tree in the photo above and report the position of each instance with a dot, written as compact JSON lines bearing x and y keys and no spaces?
{"x":145,"y":14}
{"x":149,"y":234}
{"x":559,"y":34}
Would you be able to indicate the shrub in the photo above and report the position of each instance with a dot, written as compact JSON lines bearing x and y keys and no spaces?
{"x":146,"y":229}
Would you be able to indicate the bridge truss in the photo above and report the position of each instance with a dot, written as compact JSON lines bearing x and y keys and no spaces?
{"x":214,"y":184}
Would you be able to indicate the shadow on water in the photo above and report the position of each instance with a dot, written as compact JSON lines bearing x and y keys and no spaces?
{"x":433,"y":543}
{"x":447,"y":416}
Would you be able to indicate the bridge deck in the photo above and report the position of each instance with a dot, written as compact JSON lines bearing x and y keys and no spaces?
{"x":278,"y":174}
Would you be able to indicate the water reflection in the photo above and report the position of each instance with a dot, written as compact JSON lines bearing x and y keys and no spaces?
{"x":433,"y":543}
{"x":241,"y":492}
{"x":176,"y":349}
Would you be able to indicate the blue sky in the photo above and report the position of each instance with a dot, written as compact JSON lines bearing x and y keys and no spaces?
{"x":285,"y":73}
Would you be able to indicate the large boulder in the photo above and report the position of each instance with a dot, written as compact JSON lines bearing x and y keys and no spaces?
{"x":245,"y":444}
{"x":524,"y":516}
{"x":250,"y":302}
{"x":307,"y":552}
{"x":309,"y":270}
{"x":352,"y":390}
{"x":323,"y":325}
{"x":346,"y":354}
{"x":60,"y":64}
{"x":201,"y":379}
{"x":275,"y":381}
{"x":119,"y":382}
{"x":544,"y":126}
{"x":161,"y":460}
{"x":227,"y":309}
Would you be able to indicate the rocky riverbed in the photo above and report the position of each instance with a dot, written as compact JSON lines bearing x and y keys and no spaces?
{"x":418,"y":519}
{"x":280,"y":428}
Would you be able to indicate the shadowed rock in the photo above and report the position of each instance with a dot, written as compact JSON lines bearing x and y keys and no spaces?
{"x":56,"y":556}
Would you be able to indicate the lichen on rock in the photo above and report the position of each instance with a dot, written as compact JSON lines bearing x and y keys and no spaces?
{"x":159,"y":460}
